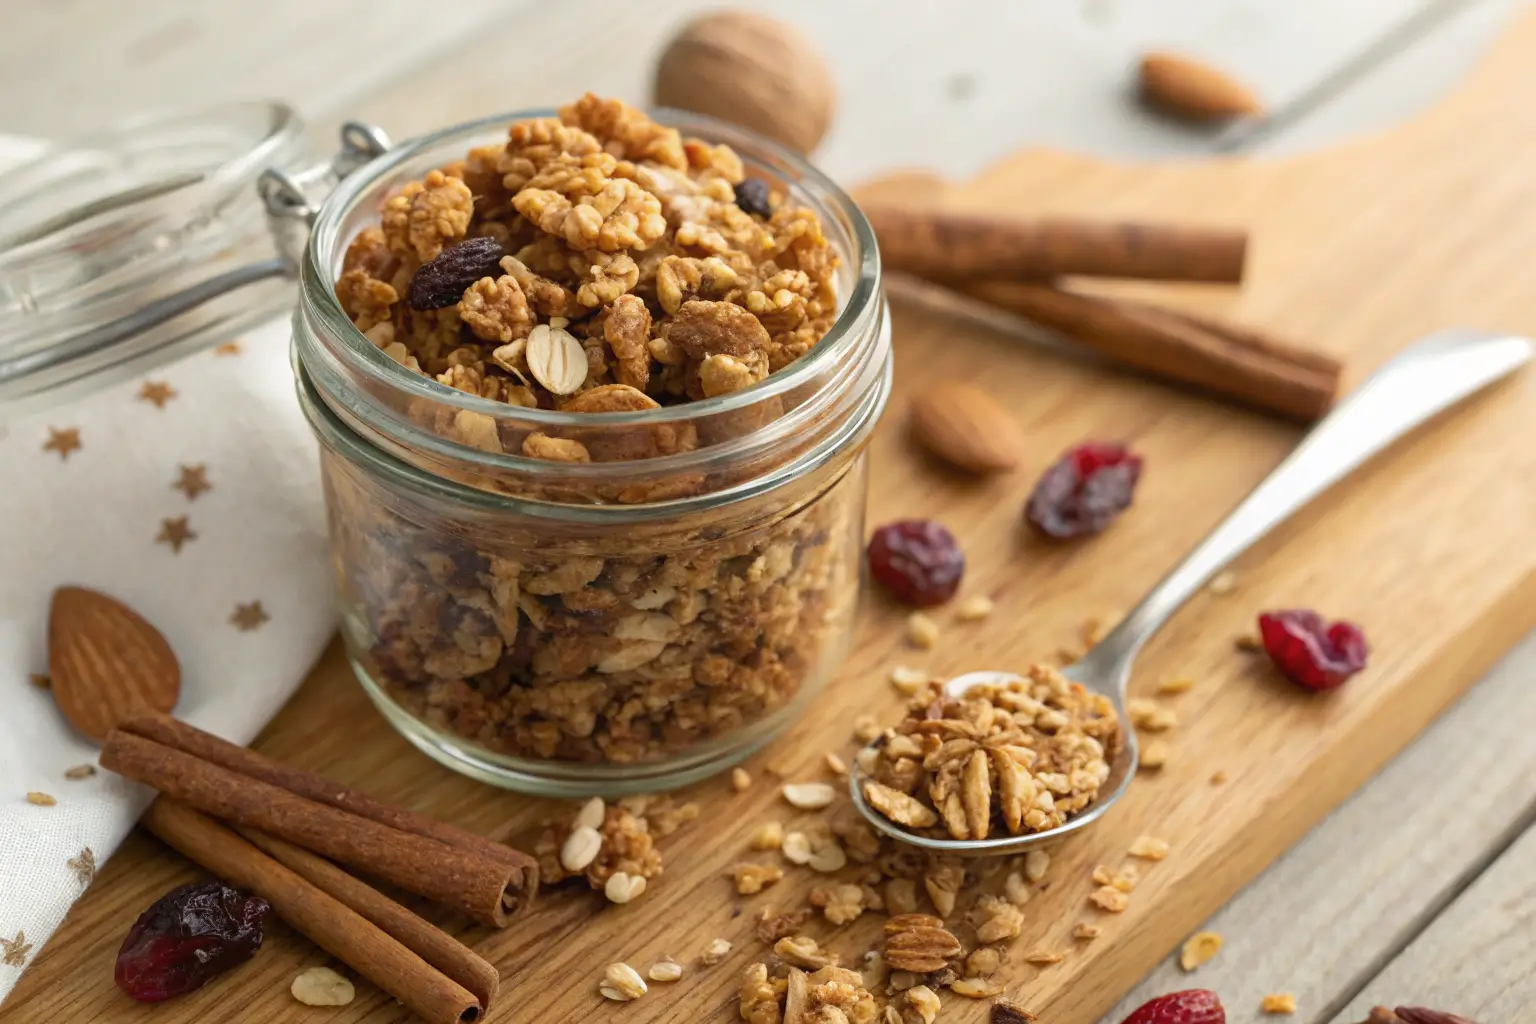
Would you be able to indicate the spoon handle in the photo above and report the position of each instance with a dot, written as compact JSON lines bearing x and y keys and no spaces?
{"x":1426,"y":378}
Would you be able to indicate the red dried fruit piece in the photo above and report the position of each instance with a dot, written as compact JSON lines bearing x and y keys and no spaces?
{"x":917,"y":560}
{"x":440,"y":282}
{"x":1192,"y":1006}
{"x":1084,"y":491}
{"x":1311,"y":652}
{"x":1424,"y":1015}
{"x":188,"y":936}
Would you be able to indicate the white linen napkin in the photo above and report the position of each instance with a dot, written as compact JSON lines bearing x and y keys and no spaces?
{"x":192,"y":495}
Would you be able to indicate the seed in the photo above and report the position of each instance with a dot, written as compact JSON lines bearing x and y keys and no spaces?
{"x":1086,"y":931}
{"x":922,"y":631}
{"x":1154,"y":755}
{"x":1223,"y":583}
{"x":321,"y":986}
{"x":623,"y":887}
{"x":1035,"y":864}
{"x":581,"y":848}
{"x":1149,"y":848}
{"x":1199,"y":949}
{"x":836,"y":765}
{"x":740,"y":779}
{"x":909,"y":680}
{"x":80,"y":771}
{"x":975,"y":988}
{"x":622,"y":983}
{"x":1178,"y":684}
{"x":974,"y":608}
{"x":767,"y":836}
{"x":556,"y":359}
{"x":41,"y":799}
{"x":715,"y":952}
{"x":1107,"y":897}
{"x":796,"y":848}
{"x":1043,"y":958}
{"x":591,"y":813}
{"x":1278,"y":1002}
{"x":666,"y":970}
{"x":809,"y":796}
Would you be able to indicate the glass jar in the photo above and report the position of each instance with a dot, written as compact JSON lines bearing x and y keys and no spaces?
{"x":627,"y":624}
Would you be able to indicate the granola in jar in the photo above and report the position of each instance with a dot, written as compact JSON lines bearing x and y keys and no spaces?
{"x":586,"y":336}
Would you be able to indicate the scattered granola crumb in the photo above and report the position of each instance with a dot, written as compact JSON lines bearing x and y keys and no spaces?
{"x":1200,"y":948}
{"x":1154,"y":755}
{"x":80,"y":771}
{"x":1016,"y":889}
{"x":1101,"y":875}
{"x":1178,"y":684}
{"x":754,"y":878}
{"x":41,"y":799}
{"x":1149,"y":848}
{"x":922,"y":631}
{"x":767,"y":836}
{"x":1278,"y":1002}
{"x":983,"y":961}
{"x":840,"y":904}
{"x":865,"y":728}
{"x":1218,"y":777}
{"x":909,"y":680}
{"x":1036,"y":863}
{"x":974,"y":608}
{"x":621,"y":983}
{"x":1085,"y":931}
{"x":1005,"y":1012}
{"x":715,"y":952}
{"x":41,"y":680}
{"x":665,"y":970}
{"x":802,"y":951}
{"x":772,"y":927}
{"x":741,"y":779}
{"x":321,"y":986}
{"x":922,"y":999}
{"x":1222,"y":583}
{"x":1126,"y":878}
{"x":1093,"y":630}
{"x":835,"y":764}
{"x":975,"y":988}
{"x":1150,"y":715}
{"x":809,"y":796}
{"x":1107,"y":897}
{"x":1250,"y":642}
{"x":1043,"y":958}
{"x":622,"y":887}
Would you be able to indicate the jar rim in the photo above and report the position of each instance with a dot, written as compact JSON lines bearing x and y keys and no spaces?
{"x":362,"y":355}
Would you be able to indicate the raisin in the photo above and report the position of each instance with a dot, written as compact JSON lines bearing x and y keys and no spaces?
{"x":917,"y":560}
{"x":1310,"y":651}
{"x":752,"y":196}
{"x":1084,"y":491}
{"x":441,"y":281}
{"x":188,"y":936}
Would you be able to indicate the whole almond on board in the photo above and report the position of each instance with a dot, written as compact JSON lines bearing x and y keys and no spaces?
{"x":966,"y":427}
{"x":106,"y":661}
{"x":1194,"y":91}
{"x":751,"y":70}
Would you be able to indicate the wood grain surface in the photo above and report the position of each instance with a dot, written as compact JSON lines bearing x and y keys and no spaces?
{"x":1358,"y":250}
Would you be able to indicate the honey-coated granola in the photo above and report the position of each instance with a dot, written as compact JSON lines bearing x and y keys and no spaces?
{"x":596,"y":262}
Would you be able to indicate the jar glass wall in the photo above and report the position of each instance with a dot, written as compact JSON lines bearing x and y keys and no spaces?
{"x":627,"y":623}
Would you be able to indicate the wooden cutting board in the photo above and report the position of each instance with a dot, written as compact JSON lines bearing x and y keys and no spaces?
{"x":1432,"y":547}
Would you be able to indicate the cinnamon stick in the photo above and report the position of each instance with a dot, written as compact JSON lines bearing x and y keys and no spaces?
{"x":190,"y":739}
{"x":483,"y":887}
{"x":327,"y":922}
{"x":949,"y":245}
{"x":1238,"y":362}
{"x":421,"y":937}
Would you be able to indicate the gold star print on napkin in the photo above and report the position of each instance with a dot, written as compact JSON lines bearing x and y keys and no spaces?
{"x":13,"y":952}
{"x":157,"y":392}
{"x":192,"y":481}
{"x":175,"y":532}
{"x":63,"y":441}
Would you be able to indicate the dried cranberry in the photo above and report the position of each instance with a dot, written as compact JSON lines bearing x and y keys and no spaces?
{"x":752,"y":196}
{"x":1192,"y":1006}
{"x":917,"y":560}
{"x":1424,"y":1015}
{"x":1084,"y":491}
{"x":440,"y":282}
{"x":187,"y":936}
{"x":1310,"y":651}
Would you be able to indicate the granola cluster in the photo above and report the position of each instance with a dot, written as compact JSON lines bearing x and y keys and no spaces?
{"x":596,"y":262}
{"x":1017,"y":757}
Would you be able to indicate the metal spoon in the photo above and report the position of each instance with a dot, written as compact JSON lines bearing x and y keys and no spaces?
{"x":1426,"y":378}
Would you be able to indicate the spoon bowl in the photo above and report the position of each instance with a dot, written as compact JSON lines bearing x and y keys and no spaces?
{"x":1425,"y":379}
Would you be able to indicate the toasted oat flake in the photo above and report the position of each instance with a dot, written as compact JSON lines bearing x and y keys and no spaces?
{"x":975,"y":988}
{"x":1150,"y":715}
{"x":622,"y":887}
{"x":716,"y":951}
{"x":741,"y":779}
{"x":665,"y":970}
{"x":809,"y":796}
{"x":754,"y":878}
{"x":1222,"y":583}
{"x":974,"y":608}
{"x":909,"y":680}
{"x":1154,"y":755}
{"x":1200,"y":948}
{"x":835,"y":764}
{"x":1149,"y":848}
{"x":1043,"y":958}
{"x":1085,"y":931}
{"x":80,"y":771}
{"x":321,"y":986}
{"x":802,"y":951}
{"x":922,"y":631}
{"x":1178,"y":684}
{"x":1036,"y":863}
{"x":41,"y":799}
{"x":767,"y":836}
{"x":622,"y":983}
{"x":1016,"y":889}
{"x":1278,"y":1002}
{"x":1107,"y":897}
{"x":1101,"y":875}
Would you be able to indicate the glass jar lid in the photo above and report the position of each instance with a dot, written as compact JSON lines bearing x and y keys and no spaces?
{"x":97,"y":231}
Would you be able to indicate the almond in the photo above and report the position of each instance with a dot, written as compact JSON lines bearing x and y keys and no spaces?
{"x":1194,"y":91}
{"x":106,"y":661}
{"x":966,"y":427}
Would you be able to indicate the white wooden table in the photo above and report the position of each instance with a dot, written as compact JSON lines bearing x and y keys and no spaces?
{"x":1422,"y":888}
